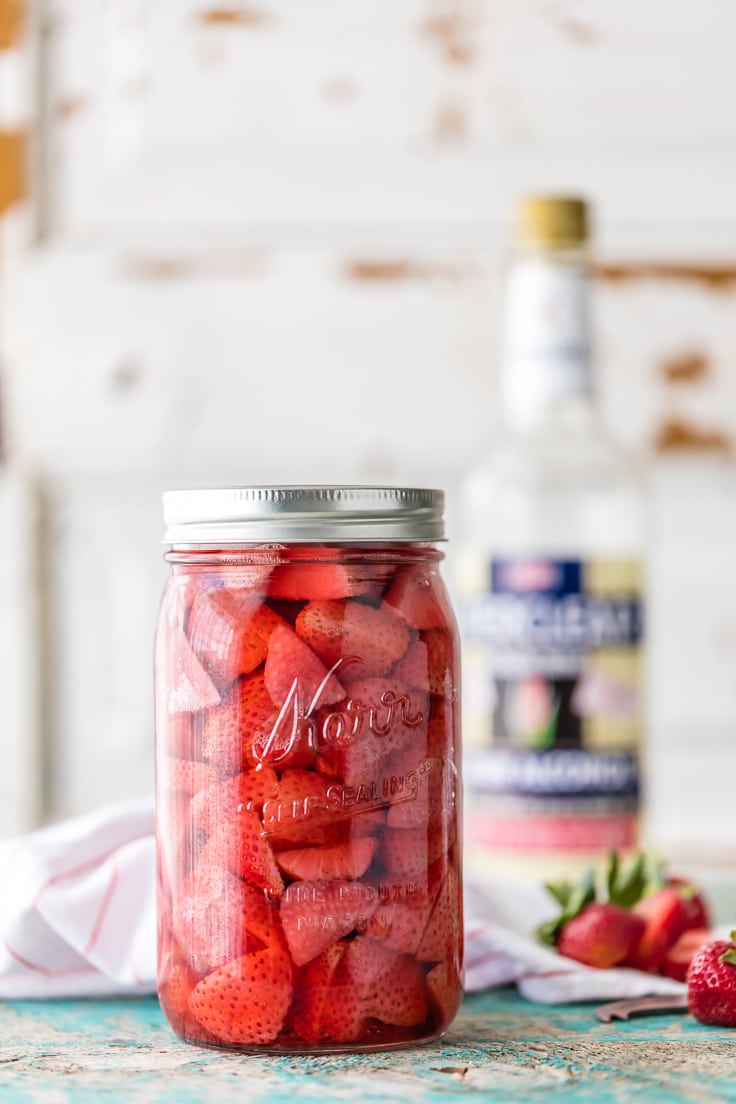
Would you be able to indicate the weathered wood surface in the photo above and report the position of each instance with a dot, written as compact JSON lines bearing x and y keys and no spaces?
{"x":501,"y":1048}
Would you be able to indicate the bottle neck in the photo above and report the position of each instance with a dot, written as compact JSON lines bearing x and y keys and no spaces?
{"x":547,"y":364}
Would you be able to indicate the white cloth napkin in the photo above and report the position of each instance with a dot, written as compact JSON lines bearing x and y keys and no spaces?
{"x":78,"y":918}
{"x":78,"y":907}
{"x":500,"y":948}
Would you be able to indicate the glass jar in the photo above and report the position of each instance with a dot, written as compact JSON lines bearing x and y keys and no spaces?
{"x":307,"y":770}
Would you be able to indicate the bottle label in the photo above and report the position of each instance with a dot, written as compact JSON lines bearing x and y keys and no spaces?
{"x":547,"y":342}
{"x":552,"y":701}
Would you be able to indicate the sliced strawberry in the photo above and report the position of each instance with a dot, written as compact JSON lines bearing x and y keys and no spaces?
{"x":240,"y":846}
{"x":382,"y":716}
{"x":419,"y":802}
{"x":208,"y":916}
{"x":314,"y":998}
{"x":184,"y":585}
{"x":181,"y":734}
{"x":391,"y":985}
{"x":409,"y":851}
{"x":442,"y":933}
{"x":428,"y":663}
{"x":323,"y":864}
{"x":248,"y":790}
{"x":246,"y":1001}
{"x":445,"y":991}
{"x":186,"y":777}
{"x":174,"y":987}
{"x":372,"y":639}
{"x":443,"y":729}
{"x":401,"y":925}
{"x":237,"y":732}
{"x":680,"y":955}
{"x":189,"y":688}
{"x":293,"y":671}
{"x":341,"y":1014}
{"x":229,"y":630}
{"x":318,"y":581}
{"x":305,"y":812}
{"x":368,"y":823}
{"x":400,"y":997}
{"x":416,"y":596}
{"x":315,"y":915}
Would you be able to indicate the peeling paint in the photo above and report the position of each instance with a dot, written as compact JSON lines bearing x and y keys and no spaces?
{"x":577,"y":31}
{"x":11,"y":23}
{"x":12,"y":167}
{"x":688,"y":367}
{"x":716,"y":277}
{"x":340,"y":89}
{"x":450,"y":124}
{"x":164,"y":269}
{"x":70,"y":106}
{"x":678,"y":435}
{"x":393,"y":270}
{"x":451,"y":30}
{"x":241,"y":16}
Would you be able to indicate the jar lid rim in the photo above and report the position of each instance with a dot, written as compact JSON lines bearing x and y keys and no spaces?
{"x":302,"y":513}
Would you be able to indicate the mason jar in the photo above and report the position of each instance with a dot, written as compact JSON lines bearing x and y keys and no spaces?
{"x":307,"y":770}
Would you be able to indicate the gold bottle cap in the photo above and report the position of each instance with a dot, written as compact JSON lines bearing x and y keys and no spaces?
{"x":553,"y":221}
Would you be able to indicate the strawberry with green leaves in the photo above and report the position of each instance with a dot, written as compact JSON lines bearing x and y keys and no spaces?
{"x":638,"y":922}
{"x":711,"y":983}
{"x":602,"y":935}
{"x":595,"y":934}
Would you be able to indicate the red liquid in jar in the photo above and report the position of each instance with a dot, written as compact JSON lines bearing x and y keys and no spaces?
{"x":308,"y":799}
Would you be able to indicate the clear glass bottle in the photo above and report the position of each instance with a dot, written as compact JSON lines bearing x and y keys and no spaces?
{"x":549,"y":570}
{"x":307,"y":770}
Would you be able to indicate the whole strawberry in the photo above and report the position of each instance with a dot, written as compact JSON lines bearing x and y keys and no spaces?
{"x":711,"y":983}
{"x":601,"y":935}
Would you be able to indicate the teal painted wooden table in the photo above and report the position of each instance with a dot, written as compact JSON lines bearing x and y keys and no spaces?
{"x":499,"y":1049}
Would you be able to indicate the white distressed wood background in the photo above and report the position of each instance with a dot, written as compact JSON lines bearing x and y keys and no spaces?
{"x":265,"y":241}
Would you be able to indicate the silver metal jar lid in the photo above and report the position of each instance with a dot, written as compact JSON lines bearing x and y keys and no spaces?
{"x":233,"y":515}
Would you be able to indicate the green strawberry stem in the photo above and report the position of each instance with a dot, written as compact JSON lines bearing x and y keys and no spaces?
{"x":622,"y":883}
{"x":625,"y":884}
{"x":573,"y":903}
{"x":729,"y":956}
